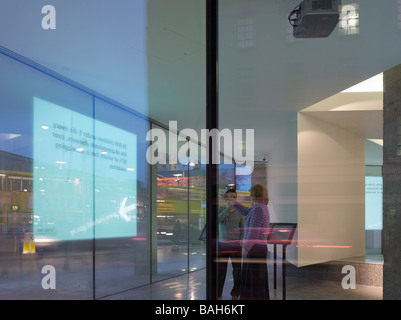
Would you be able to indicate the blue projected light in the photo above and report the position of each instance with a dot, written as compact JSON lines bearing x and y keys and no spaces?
{"x":85,"y":179}
{"x":373,"y":203}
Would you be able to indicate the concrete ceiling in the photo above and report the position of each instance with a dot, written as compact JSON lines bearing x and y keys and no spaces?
{"x":150,"y":56}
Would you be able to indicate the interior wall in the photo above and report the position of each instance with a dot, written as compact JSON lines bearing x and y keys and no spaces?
{"x":331,"y":191}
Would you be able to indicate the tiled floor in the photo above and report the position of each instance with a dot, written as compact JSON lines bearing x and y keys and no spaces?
{"x":192,"y":287}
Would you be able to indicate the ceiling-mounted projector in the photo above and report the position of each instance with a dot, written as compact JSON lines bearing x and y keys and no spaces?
{"x":314,"y":18}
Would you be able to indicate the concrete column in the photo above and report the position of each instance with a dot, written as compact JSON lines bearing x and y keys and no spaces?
{"x":392,"y":184}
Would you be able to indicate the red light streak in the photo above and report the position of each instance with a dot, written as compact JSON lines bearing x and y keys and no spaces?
{"x":323,"y":246}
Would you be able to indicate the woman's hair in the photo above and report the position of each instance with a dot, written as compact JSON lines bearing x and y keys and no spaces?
{"x":260,"y":193}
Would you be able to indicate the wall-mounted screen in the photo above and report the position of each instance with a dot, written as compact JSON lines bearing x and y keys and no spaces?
{"x":373,"y":203}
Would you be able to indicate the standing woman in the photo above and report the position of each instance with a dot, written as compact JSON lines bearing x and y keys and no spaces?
{"x":255,"y":282}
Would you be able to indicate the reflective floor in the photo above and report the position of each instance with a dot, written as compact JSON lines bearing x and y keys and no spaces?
{"x":192,"y":287}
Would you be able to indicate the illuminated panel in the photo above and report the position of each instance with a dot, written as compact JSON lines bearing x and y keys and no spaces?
{"x":374,"y":203}
{"x":85,"y":182}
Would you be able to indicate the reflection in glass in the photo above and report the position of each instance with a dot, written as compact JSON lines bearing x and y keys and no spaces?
{"x":121,"y":200}
{"x":197,"y":210}
{"x":42,"y":187}
{"x":171,"y":187}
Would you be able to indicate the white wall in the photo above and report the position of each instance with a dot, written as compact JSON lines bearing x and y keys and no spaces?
{"x":331,"y":191}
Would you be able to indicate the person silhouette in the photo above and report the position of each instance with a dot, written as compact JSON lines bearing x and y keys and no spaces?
{"x":231,"y":224}
{"x":254,"y":275}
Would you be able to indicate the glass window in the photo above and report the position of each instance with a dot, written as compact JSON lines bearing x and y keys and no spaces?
{"x":75,"y":190}
{"x":121,"y":199}
{"x":46,"y":186}
{"x":78,"y":194}
{"x":314,"y":98}
{"x":171,"y":212}
{"x":197,"y":207}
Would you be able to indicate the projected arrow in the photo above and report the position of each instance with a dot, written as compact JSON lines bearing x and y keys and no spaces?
{"x":123,"y":212}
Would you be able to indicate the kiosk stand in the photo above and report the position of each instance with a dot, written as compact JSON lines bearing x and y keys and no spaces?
{"x":281,"y":234}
